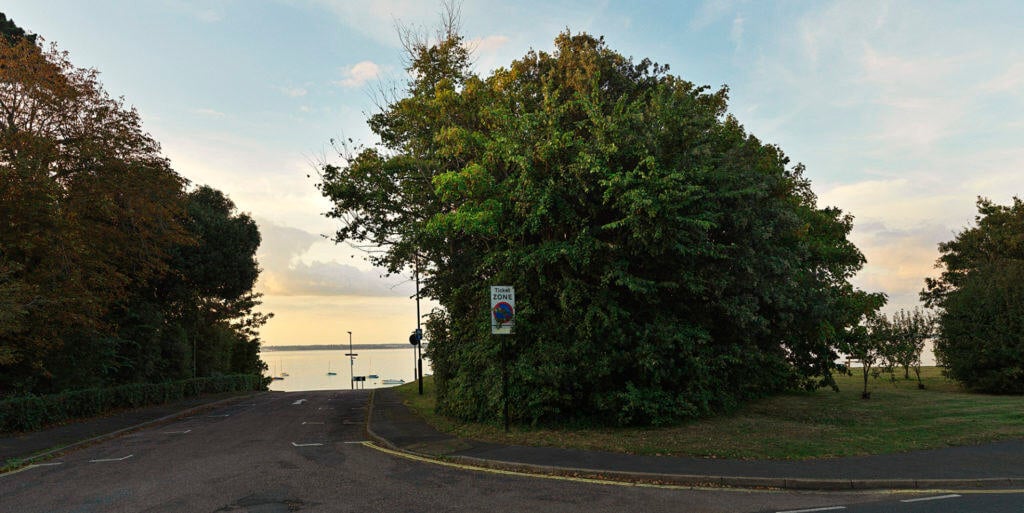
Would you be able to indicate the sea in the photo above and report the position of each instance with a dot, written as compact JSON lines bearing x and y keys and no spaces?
{"x":309,"y":369}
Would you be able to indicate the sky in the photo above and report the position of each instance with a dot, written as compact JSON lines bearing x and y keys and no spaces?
{"x":903,"y":112}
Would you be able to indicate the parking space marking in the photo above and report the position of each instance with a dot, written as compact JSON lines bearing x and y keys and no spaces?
{"x":313,"y":444}
{"x":935,"y":498}
{"x":312,"y":423}
{"x":106,"y":460}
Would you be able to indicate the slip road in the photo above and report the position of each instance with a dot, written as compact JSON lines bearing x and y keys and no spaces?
{"x":302,"y":451}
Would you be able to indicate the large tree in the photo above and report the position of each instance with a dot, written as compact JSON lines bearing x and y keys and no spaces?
{"x":667,"y":264}
{"x":980,"y":297}
{"x":95,"y":228}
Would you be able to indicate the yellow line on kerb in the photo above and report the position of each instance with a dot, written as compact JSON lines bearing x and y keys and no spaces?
{"x":463,"y":466}
{"x":590,"y":480}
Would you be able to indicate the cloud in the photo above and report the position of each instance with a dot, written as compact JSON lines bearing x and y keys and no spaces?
{"x":736,"y":33}
{"x":286,"y":273}
{"x":206,"y":11}
{"x":359,"y":74}
{"x":1012,"y":81}
{"x":293,"y":92}
{"x":377,"y":19}
{"x":487,"y":44}
{"x":710,"y":12}
{"x":210,"y":113}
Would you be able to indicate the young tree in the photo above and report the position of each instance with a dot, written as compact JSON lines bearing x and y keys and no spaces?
{"x":867,"y":340}
{"x":980,"y":297}
{"x":910,"y":330}
{"x":667,"y":263}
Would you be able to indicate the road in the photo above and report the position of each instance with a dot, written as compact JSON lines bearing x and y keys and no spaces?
{"x":305,"y":451}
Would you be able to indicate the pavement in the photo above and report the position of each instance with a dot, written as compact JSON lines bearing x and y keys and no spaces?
{"x":393,"y":425}
{"x":989,"y":466}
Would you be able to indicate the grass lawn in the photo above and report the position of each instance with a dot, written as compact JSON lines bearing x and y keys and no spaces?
{"x":821,"y":424}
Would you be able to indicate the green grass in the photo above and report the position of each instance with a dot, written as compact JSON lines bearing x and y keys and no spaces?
{"x":822,"y":424}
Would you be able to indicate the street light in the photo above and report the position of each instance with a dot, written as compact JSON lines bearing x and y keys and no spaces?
{"x":351,"y":362}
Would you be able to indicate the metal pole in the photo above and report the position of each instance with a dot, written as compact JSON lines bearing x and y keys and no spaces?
{"x":418,"y":369}
{"x":351,"y":362}
{"x":504,"y":379}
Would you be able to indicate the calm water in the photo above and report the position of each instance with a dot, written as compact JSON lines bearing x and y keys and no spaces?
{"x":307,"y":370}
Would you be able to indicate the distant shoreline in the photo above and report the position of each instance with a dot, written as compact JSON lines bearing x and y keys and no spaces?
{"x":335,"y":347}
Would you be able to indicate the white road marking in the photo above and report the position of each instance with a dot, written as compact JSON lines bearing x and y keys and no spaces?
{"x":356,"y":442}
{"x":935,"y":498}
{"x":178,"y":432}
{"x":314,"y":444}
{"x":311,"y":423}
{"x":224,"y":415}
{"x":831,"y":508}
{"x":29,"y":467}
{"x":300,"y":401}
{"x":111,"y":459}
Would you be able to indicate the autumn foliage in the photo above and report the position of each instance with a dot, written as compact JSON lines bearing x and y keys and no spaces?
{"x":95,"y":226}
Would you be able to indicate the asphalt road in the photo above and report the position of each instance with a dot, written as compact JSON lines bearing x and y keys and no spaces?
{"x":305,"y":451}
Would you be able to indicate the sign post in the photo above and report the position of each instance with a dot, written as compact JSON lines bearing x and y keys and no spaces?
{"x":503,"y":322}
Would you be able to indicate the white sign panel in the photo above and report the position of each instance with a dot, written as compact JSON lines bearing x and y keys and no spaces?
{"x":503,"y":309}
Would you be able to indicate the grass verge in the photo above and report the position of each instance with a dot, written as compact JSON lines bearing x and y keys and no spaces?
{"x":821,"y":424}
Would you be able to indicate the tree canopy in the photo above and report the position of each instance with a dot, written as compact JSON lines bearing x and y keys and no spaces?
{"x":980,"y":297}
{"x":106,"y":259}
{"x":667,"y":264}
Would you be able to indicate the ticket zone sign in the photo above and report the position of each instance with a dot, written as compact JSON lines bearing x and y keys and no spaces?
{"x":503,"y":309}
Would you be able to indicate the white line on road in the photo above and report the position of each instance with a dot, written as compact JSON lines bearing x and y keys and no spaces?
{"x":315,"y":444}
{"x":178,"y":432}
{"x":311,"y":423}
{"x":935,"y":498}
{"x":224,"y":415}
{"x":356,"y":442}
{"x":111,"y":459}
{"x":29,"y":467}
{"x":300,"y":401}
{"x":831,"y":508}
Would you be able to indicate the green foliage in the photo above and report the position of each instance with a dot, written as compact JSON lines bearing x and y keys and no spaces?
{"x":667,"y":264}
{"x":31,"y":412}
{"x":980,"y":295}
{"x":910,"y":329}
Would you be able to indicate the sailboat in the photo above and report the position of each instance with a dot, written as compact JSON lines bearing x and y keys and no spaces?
{"x":277,"y":378}
{"x":329,"y":371}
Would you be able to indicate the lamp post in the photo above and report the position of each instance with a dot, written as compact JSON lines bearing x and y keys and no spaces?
{"x":351,"y":362}
{"x":418,"y":367}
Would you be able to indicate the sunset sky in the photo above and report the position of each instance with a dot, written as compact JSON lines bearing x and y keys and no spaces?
{"x":903,"y":112}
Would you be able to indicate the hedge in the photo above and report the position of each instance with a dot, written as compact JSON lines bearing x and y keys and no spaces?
{"x":31,"y":412}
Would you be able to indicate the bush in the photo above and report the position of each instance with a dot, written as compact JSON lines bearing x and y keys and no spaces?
{"x":33,"y":412}
{"x":982,"y":331}
{"x":980,"y":296}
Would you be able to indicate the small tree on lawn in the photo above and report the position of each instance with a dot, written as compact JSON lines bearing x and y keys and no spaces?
{"x":910,"y":330}
{"x":866,"y":340}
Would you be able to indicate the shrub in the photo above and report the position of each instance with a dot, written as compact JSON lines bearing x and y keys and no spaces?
{"x":31,"y":412}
